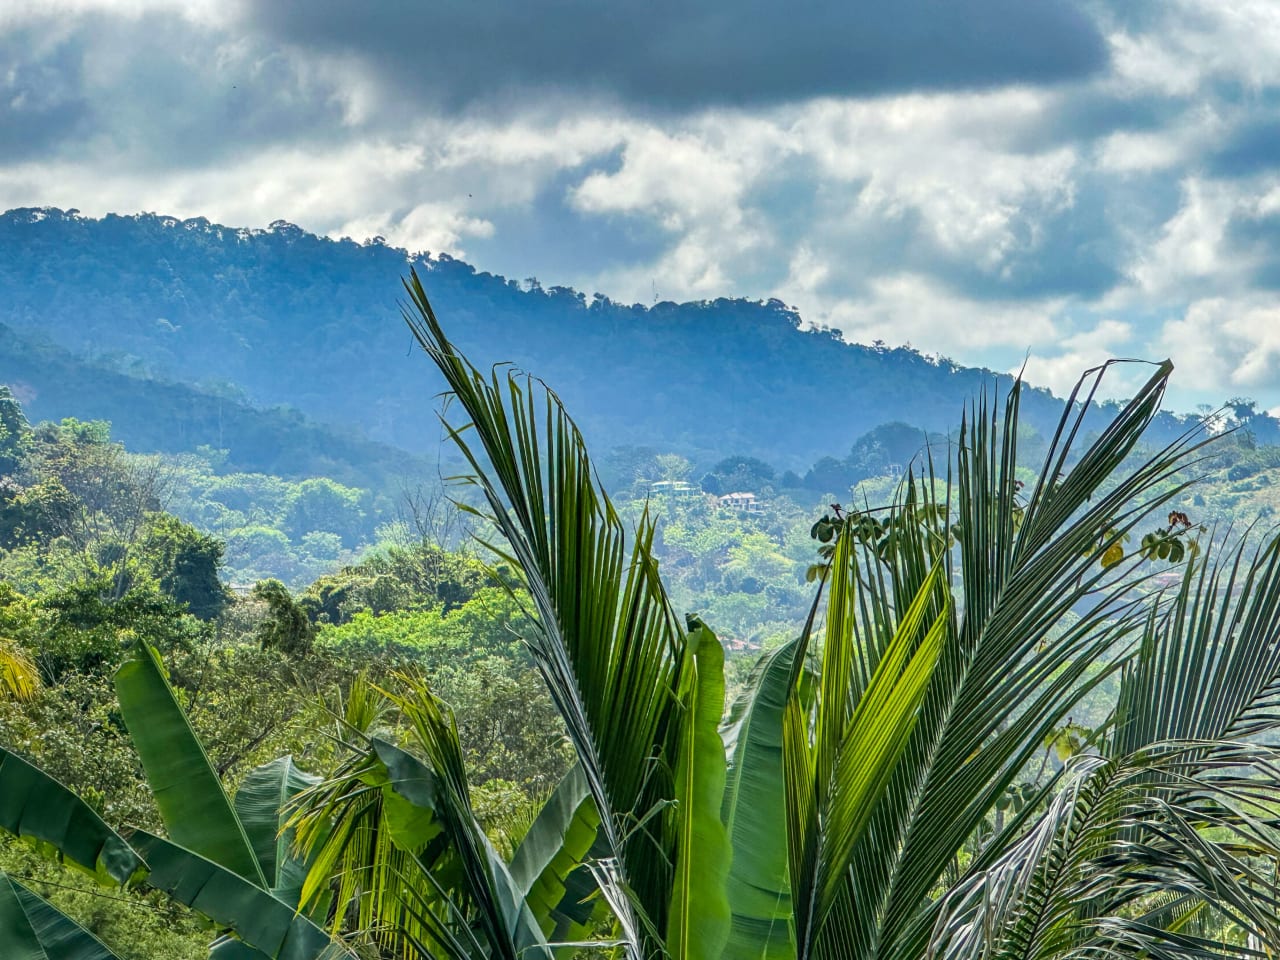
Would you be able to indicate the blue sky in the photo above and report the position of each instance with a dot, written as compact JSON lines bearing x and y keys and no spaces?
{"x":983,"y":179}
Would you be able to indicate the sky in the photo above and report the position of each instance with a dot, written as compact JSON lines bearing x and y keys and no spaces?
{"x":995,"y":181}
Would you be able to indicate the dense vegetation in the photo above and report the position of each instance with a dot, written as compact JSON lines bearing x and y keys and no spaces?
{"x":91,"y":569}
{"x":989,"y":738}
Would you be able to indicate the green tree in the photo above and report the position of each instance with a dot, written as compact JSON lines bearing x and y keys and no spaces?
{"x":15,"y":433}
{"x":286,"y":627}
{"x":743,"y":473}
{"x":186,"y":563}
{"x":85,"y":628}
{"x":322,"y":504}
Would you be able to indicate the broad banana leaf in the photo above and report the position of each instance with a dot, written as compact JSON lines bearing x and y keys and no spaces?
{"x":547,"y":867}
{"x":754,"y":806}
{"x":31,"y":928}
{"x":261,"y":803}
{"x":188,"y":793}
{"x":260,"y":919}
{"x":33,"y":804}
{"x":699,"y":918}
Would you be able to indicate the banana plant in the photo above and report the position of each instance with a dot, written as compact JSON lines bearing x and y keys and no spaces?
{"x":223,"y":857}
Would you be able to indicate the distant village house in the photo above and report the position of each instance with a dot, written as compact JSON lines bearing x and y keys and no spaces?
{"x":741,"y":501}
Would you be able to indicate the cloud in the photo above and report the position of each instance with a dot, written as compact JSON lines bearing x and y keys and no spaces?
{"x":1060,"y":369}
{"x":672,"y":55}
{"x":42,"y":100}
{"x":916,"y":310}
{"x":1231,"y":345}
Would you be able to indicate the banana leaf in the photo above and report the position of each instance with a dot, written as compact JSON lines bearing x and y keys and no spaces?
{"x":699,"y":917}
{"x":196,"y":812}
{"x":33,"y":804}
{"x":260,"y":919}
{"x":754,"y":805}
{"x":261,"y":803}
{"x":31,"y":928}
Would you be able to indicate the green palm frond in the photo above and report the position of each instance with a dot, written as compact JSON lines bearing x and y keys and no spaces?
{"x":607,"y":641}
{"x":19,"y":675}
{"x":1209,"y":667}
{"x":383,"y":863}
{"x":835,"y":776}
{"x":1013,"y":663}
{"x":1119,"y":860}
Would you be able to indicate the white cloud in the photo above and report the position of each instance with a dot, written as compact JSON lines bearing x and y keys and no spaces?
{"x":1193,"y":249}
{"x":202,"y":12}
{"x":1228,"y":344}
{"x":1061,"y":370}
{"x":914,"y":309}
{"x":943,"y":158}
{"x":1193,"y":41}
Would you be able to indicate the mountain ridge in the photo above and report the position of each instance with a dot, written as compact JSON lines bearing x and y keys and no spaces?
{"x":290,"y":317}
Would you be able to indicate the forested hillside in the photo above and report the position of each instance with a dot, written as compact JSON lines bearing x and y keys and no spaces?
{"x":156,"y":415}
{"x":280,"y":316}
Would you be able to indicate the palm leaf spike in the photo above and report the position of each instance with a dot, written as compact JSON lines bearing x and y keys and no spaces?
{"x":397,"y":835}
{"x":377,"y":857}
{"x":607,"y":643}
{"x":834,"y":780}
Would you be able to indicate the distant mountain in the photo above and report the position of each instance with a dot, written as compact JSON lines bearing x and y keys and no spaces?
{"x":287,"y":317}
{"x":154,"y":416}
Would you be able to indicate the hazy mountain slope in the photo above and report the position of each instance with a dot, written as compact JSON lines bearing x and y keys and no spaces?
{"x":154,"y":416}
{"x":298,"y":319}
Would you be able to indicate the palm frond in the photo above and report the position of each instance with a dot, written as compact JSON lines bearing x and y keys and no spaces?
{"x":1209,"y":668}
{"x":1020,"y":566}
{"x":1123,"y":842}
{"x":19,"y":675}
{"x":607,"y":641}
